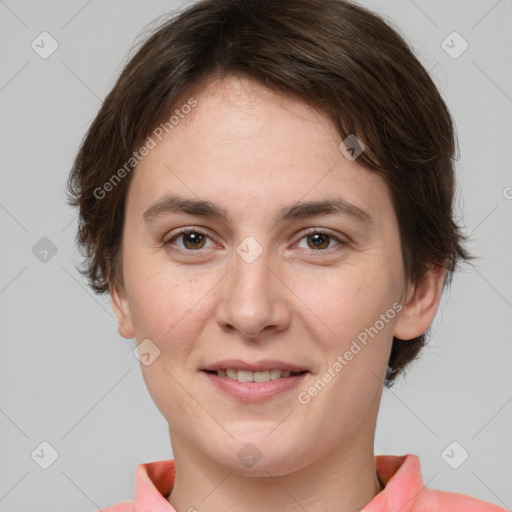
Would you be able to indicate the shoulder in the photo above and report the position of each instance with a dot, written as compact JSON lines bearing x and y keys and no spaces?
{"x":405,"y":490}
{"x":153,"y":482}
{"x":435,"y":500}
{"x":124,"y":506}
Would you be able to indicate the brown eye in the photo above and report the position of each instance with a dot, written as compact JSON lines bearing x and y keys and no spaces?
{"x":319,"y":241}
{"x":192,"y":240}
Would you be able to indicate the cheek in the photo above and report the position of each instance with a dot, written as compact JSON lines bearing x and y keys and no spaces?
{"x":169,"y":307}
{"x":168,"y":304}
{"x":340,"y":303}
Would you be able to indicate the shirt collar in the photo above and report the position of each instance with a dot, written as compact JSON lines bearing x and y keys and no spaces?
{"x":153,"y":482}
{"x":403,"y":481}
{"x":401,"y":476}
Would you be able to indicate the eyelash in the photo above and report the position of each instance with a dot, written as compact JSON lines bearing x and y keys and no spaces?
{"x":340,"y":245}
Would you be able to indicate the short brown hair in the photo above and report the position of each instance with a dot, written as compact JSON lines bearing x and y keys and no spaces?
{"x":335,"y":56}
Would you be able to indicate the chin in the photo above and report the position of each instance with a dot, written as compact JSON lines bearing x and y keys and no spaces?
{"x":258,"y":457}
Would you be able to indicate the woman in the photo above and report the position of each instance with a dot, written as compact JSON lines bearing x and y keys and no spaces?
{"x":266,"y":194}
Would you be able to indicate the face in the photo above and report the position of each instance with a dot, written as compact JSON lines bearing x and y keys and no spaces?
{"x":260,"y":279}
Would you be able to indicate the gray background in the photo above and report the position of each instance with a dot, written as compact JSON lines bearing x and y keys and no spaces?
{"x":69,"y":379}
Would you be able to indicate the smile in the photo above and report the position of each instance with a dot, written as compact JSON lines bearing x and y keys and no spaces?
{"x":248,"y":376}
{"x":247,"y":386}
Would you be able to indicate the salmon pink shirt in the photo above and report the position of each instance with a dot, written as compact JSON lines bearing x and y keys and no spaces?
{"x":401,"y":476}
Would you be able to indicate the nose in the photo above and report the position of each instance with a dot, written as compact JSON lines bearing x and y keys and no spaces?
{"x":254,"y":299}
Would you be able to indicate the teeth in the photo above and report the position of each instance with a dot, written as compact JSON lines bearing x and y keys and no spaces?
{"x":275,"y":374}
{"x":231,"y":374}
{"x":247,"y":376}
{"x":261,"y":376}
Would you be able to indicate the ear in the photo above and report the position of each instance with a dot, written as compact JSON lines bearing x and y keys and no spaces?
{"x":121,"y":309}
{"x":421,"y":305}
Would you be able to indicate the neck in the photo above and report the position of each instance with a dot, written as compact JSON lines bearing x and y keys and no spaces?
{"x":345,"y":480}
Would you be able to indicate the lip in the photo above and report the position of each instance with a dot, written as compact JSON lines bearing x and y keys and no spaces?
{"x":257,"y":366}
{"x":254,"y":391}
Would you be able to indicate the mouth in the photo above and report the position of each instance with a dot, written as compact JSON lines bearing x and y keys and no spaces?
{"x":253,"y":382}
{"x":248,"y":376}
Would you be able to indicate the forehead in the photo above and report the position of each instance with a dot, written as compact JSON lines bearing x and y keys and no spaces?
{"x":245,"y":146}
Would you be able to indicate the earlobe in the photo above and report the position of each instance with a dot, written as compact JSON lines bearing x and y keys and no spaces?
{"x":421,"y":307}
{"x":121,"y":308}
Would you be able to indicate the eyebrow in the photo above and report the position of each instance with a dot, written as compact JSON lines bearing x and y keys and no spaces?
{"x":203,"y":208}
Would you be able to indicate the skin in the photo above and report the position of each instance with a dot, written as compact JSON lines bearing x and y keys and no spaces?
{"x":254,"y":151}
